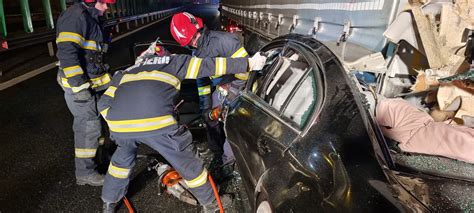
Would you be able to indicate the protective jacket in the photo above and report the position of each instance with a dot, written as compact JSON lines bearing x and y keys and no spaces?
{"x":217,"y":44}
{"x":140,"y":100}
{"x":80,"y":48}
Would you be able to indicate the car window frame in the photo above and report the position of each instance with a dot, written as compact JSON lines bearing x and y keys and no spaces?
{"x":279,"y":114}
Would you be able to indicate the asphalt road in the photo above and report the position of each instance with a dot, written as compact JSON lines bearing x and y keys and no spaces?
{"x":37,"y":148}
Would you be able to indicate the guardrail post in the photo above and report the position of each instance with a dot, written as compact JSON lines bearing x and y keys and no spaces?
{"x":147,"y":6}
{"x":119,"y":8}
{"x":112,"y":10}
{"x":140,"y":6}
{"x":48,"y":14}
{"x":137,"y":7}
{"x":25,"y":12}
{"x":134,"y":7}
{"x":124,"y":7}
{"x":63,"y":5}
{"x":3,"y":25}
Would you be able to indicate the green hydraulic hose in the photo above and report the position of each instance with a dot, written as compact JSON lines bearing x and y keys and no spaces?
{"x":3,"y":25}
{"x":48,"y":14}
{"x":25,"y":12}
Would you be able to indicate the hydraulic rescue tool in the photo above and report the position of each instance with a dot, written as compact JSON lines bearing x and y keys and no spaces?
{"x":171,"y":182}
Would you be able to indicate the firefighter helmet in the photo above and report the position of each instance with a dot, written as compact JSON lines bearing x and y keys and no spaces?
{"x":103,"y":1}
{"x":184,"y":26}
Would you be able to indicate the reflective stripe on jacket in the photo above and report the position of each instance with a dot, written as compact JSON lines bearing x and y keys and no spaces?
{"x":140,"y":100}
{"x":217,"y":44}
{"x":79,"y":37}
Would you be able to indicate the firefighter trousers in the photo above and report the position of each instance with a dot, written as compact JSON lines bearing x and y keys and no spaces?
{"x":217,"y":140}
{"x":87,"y":130}
{"x":215,"y":136}
{"x":175,"y":146}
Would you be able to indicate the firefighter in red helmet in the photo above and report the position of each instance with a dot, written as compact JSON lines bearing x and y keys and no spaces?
{"x":188,"y":30}
{"x":184,"y":27}
{"x":82,"y":75}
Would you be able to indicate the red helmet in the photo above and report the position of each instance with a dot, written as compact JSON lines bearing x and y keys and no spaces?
{"x":103,"y":1}
{"x":184,"y":26}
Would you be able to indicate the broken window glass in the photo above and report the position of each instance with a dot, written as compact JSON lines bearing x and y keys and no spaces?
{"x":285,"y":80}
{"x":301,"y":106}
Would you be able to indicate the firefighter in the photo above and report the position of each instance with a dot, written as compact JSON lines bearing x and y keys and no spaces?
{"x":189,"y":30}
{"x":138,"y":108}
{"x":82,"y":74}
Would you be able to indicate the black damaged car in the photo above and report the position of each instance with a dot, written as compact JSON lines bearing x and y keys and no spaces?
{"x":305,"y":141}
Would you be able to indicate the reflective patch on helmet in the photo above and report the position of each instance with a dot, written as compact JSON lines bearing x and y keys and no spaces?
{"x":179,"y":34}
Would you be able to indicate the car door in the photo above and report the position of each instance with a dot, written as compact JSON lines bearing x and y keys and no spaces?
{"x":273,"y":110}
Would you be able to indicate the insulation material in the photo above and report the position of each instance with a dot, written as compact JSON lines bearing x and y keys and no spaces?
{"x":445,"y":48}
{"x":451,"y":33}
{"x":465,"y":10}
{"x":441,"y":33}
{"x":428,"y":35}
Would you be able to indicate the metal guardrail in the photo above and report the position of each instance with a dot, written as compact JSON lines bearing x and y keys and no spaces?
{"x":48,"y":14}
{"x":3,"y":24}
{"x":47,"y":36}
{"x":159,"y":14}
{"x":122,"y":9}
{"x":26,"y":14}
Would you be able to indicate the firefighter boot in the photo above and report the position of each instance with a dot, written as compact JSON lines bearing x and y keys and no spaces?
{"x":213,"y":207}
{"x":109,"y":207}
{"x":94,"y":179}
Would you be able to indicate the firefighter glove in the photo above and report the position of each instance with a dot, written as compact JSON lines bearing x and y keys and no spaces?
{"x":257,"y":61}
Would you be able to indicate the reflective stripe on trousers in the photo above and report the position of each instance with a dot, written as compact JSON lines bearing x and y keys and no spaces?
{"x":87,"y":130}
{"x":175,"y":146}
